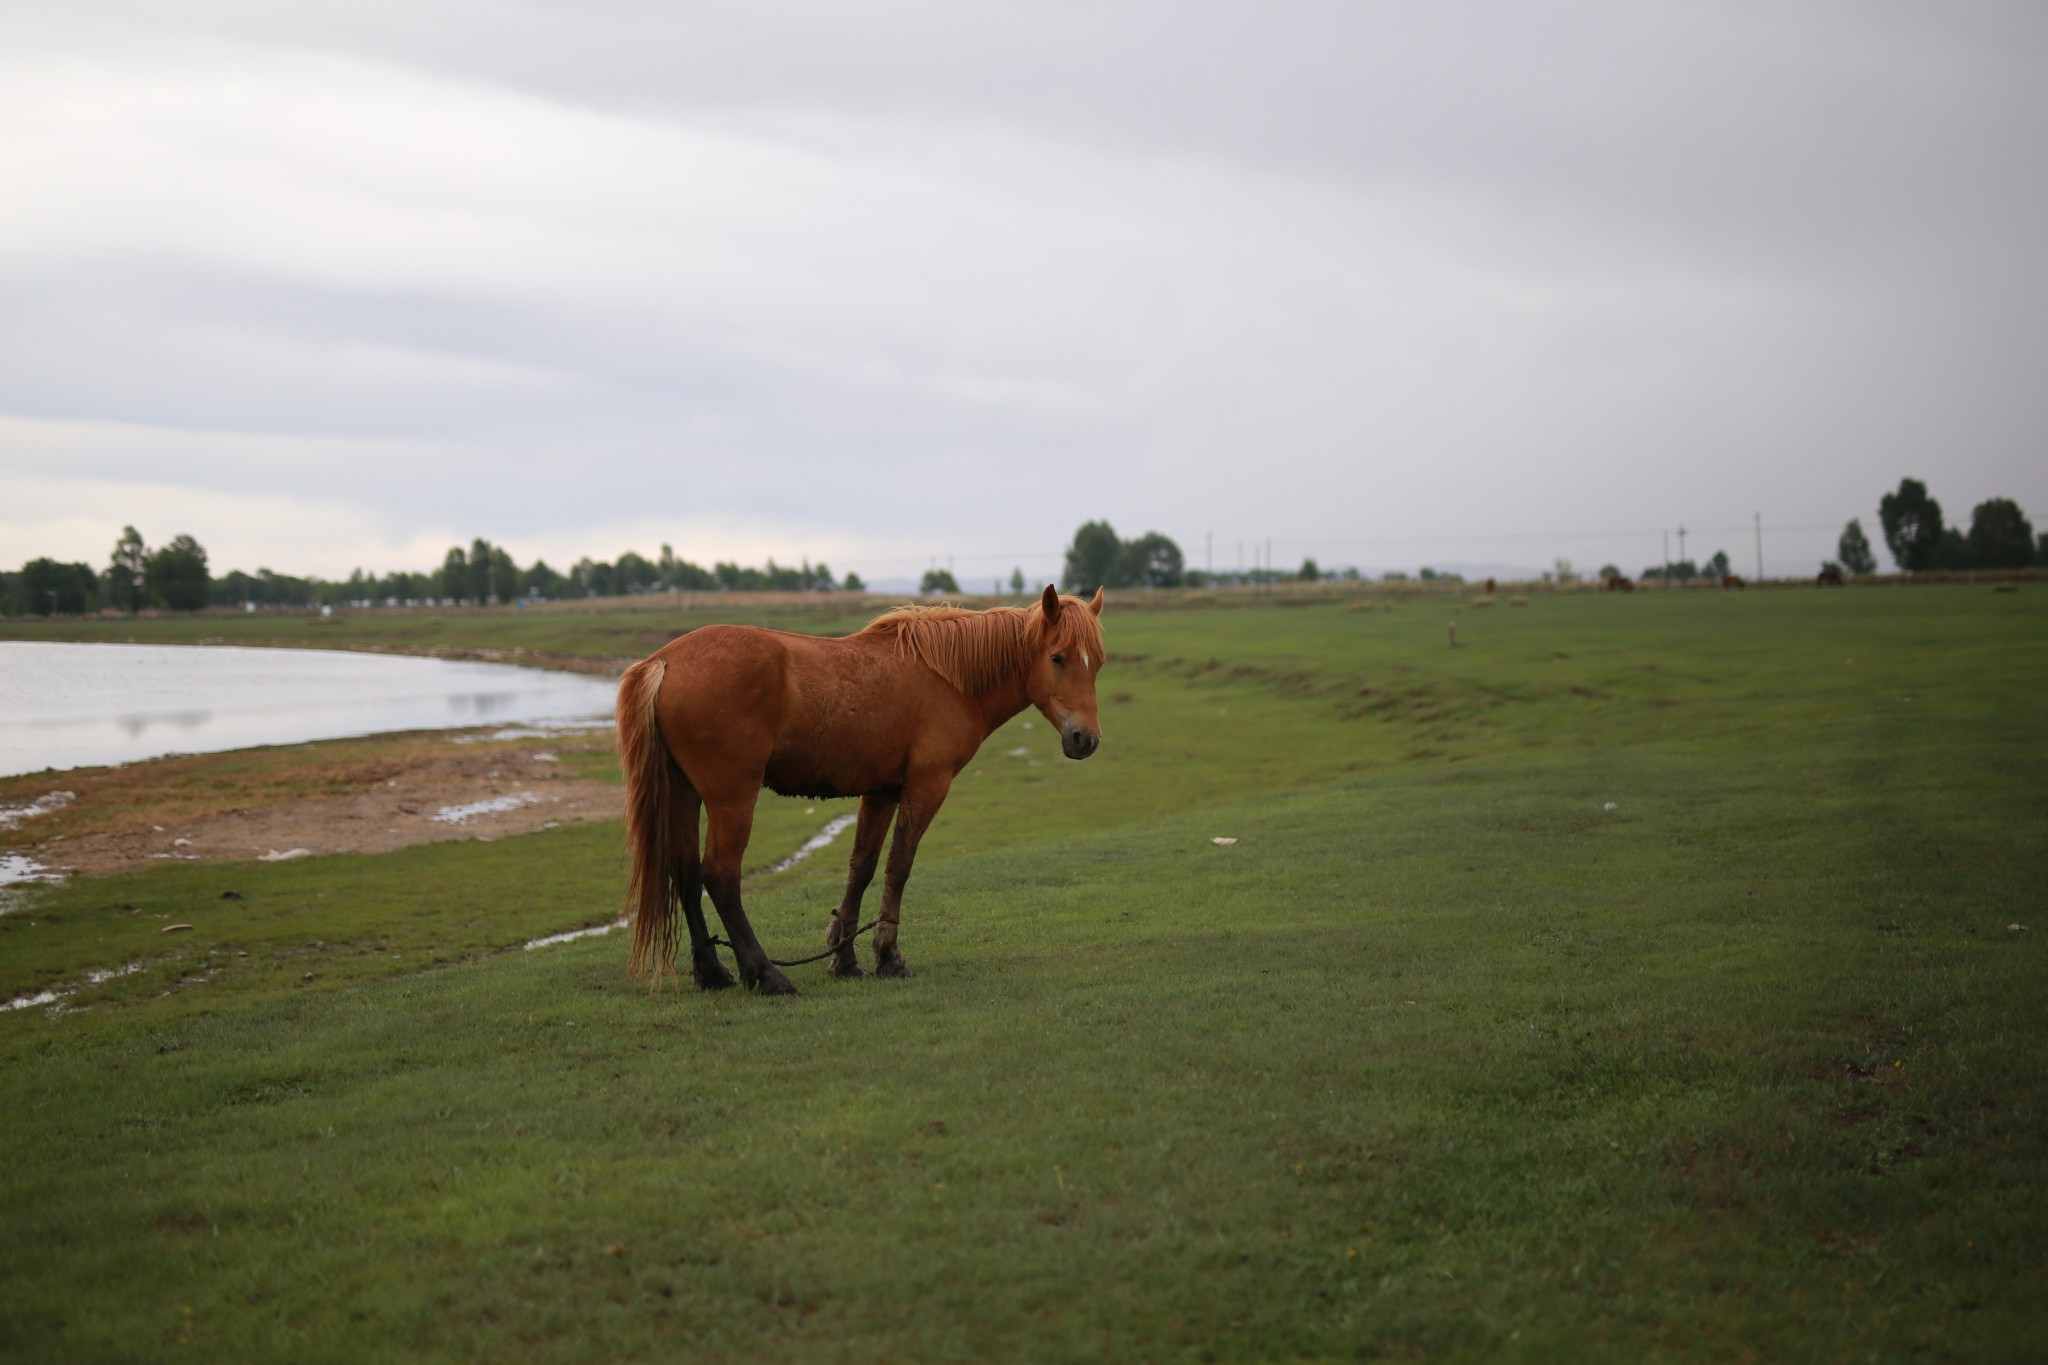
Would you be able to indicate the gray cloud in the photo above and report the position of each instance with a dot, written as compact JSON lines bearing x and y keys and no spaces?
{"x":915,"y":278}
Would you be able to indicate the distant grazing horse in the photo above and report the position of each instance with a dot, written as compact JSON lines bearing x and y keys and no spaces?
{"x":1617,"y":582}
{"x":891,"y":715}
{"x":1732,"y":580}
{"x":1830,"y":577}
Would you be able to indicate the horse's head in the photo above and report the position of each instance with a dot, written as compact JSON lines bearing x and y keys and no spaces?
{"x":1062,"y":684}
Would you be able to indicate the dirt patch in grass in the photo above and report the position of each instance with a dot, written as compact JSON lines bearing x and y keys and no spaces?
{"x":349,"y":796}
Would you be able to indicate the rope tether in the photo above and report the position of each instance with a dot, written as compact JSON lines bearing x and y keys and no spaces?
{"x":814,"y":957}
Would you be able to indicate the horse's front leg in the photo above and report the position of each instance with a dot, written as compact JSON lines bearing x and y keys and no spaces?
{"x":922,"y":798}
{"x":869,"y":830}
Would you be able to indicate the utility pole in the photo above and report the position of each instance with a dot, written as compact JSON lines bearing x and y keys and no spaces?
{"x":1667,"y":559}
{"x":1681,"y":542}
{"x":1759,"y":547}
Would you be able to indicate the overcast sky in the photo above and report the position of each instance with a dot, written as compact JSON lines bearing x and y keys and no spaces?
{"x":1391,"y":284}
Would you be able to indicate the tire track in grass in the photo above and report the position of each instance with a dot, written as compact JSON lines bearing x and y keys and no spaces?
{"x":57,"y":993}
{"x":834,"y":827}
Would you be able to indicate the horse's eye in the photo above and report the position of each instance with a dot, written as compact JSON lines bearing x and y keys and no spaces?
{"x":1059,"y":661}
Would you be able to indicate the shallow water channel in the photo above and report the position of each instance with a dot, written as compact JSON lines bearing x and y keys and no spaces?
{"x":81,"y":705}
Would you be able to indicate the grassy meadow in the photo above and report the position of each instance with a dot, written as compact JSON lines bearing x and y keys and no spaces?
{"x":1632,"y":981}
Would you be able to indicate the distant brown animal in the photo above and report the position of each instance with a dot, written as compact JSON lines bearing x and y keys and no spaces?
{"x":891,"y":715}
{"x":1619,"y":583}
{"x":1489,"y":587}
{"x":1732,"y":580}
{"x":1830,"y":577}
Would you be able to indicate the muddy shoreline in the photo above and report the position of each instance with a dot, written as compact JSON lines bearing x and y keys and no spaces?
{"x":369,"y":796}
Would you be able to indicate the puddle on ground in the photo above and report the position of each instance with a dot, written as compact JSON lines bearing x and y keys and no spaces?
{"x":836,"y":827}
{"x":18,"y":869}
{"x":455,"y":815}
{"x":547,"y":729}
{"x":56,"y":995}
{"x":12,"y":815}
{"x":552,"y":939}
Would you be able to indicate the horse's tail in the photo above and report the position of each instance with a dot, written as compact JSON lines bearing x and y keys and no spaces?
{"x":651,"y":777}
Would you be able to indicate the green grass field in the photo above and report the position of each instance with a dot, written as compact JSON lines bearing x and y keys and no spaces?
{"x":1633,"y":981}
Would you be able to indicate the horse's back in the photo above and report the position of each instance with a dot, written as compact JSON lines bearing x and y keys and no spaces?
{"x":743,"y":706}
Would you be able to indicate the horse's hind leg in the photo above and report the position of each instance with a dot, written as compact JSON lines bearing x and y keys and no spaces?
{"x":869,"y":831}
{"x":732,"y":821}
{"x":705,"y":968}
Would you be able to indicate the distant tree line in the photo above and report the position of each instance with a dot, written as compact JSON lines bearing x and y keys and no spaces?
{"x":1681,"y":570}
{"x":175,"y":577}
{"x":1098,"y":558}
{"x":1920,"y":540}
{"x":2000,"y":536}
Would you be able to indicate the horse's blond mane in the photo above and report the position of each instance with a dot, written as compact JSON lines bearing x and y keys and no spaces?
{"x":977,"y":650}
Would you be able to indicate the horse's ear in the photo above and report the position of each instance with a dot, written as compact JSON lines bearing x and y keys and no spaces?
{"x":1095,"y":605}
{"x":1051,"y":603}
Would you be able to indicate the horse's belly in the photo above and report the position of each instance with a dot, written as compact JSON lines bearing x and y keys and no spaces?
{"x":827,"y":761}
{"x":820,"y":778}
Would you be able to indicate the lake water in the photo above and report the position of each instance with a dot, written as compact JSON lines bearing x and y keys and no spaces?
{"x":73,"y":706}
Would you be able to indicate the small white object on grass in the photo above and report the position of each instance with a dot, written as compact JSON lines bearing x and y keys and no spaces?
{"x":2016,"y":928}
{"x":1610,"y":805}
{"x":275,"y":857}
{"x":1220,"y":839}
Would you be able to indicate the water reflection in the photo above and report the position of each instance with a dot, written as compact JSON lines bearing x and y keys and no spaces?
{"x":137,"y":726}
{"x":484,"y":704}
{"x":68,"y":706}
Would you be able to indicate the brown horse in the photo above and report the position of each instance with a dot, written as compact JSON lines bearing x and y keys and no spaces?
{"x":891,"y":715}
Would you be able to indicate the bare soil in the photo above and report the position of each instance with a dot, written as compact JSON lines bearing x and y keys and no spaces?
{"x":439,"y":791}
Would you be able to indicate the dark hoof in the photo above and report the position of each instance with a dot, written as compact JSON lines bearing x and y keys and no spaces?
{"x":773,"y":982}
{"x":712,"y":976}
{"x":892,"y":966}
{"x":839,"y":936}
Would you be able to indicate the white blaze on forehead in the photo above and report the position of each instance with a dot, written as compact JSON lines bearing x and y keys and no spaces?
{"x":1084,"y":660}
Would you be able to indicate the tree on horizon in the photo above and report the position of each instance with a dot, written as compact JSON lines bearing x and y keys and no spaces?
{"x":2000,"y":535}
{"x":1912,"y":525}
{"x":125,"y":569}
{"x":1853,"y":550}
{"x":177,"y":577}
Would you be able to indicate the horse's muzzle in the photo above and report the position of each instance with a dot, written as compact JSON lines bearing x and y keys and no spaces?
{"x":1079,"y":743}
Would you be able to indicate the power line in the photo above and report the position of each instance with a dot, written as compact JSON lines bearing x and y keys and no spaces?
{"x":1757,"y":527}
